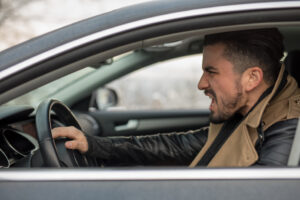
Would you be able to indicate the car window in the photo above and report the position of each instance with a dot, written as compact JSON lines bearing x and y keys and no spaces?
{"x":34,"y":97}
{"x":170,"y":84}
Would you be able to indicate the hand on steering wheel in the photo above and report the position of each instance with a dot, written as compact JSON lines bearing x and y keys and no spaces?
{"x":78,"y":141}
{"x":53,"y":152}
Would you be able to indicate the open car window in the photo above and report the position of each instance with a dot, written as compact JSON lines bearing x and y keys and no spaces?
{"x":170,"y":84}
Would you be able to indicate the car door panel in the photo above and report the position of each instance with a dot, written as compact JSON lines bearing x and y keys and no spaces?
{"x":149,"y":122}
{"x":233,"y":184}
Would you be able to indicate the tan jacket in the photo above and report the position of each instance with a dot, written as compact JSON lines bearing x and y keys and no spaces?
{"x":239,"y":149}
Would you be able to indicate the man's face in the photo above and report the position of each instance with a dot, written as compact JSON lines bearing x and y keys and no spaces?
{"x":221,"y":83}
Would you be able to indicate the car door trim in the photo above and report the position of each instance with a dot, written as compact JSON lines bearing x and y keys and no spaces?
{"x":149,"y":174}
{"x":142,"y":23}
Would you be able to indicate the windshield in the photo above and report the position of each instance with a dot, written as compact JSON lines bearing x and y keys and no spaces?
{"x":34,"y":97}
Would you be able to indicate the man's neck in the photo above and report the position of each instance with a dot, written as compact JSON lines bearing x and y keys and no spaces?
{"x":254,"y":98}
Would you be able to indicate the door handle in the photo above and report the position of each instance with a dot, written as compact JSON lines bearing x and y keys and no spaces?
{"x":131,"y":125}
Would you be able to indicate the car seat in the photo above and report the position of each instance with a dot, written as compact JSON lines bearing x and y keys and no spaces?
{"x":292,"y":64}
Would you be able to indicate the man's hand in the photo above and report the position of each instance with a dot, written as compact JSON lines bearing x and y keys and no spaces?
{"x":78,"y":141}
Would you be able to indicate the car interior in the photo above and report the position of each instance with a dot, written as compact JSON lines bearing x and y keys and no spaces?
{"x":19,"y":145}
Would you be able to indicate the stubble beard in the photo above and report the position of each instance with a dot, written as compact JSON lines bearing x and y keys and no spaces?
{"x":230,"y":107}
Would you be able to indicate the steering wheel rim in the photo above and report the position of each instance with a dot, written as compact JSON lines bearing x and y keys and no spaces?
{"x":43,"y":125}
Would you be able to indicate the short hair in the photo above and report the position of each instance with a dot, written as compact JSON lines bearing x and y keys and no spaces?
{"x":248,"y":48}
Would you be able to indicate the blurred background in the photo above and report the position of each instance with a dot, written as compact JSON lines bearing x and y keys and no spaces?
{"x":21,"y":20}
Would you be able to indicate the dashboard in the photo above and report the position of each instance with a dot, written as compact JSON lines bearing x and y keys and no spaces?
{"x":17,"y":135}
{"x":19,"y":145}
{"x":15,"y":145}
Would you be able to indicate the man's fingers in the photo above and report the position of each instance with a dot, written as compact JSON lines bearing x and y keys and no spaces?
{"x":69,"y":132}
{"x":71,"y":144}
{"x":78,"y":140}
{"x":75,"y":144}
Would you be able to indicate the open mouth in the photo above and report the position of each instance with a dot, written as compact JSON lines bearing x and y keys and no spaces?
{"x":212,"y":104}
{"x":211,"y":95}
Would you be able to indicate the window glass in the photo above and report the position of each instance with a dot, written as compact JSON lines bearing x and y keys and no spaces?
{"x":34,"y":97}
{"x":166,"y":85}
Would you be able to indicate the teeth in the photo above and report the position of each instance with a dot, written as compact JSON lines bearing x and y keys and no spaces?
{"x":212,"y":100}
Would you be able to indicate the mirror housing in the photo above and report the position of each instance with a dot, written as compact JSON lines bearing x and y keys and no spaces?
{"x":104,"y":98}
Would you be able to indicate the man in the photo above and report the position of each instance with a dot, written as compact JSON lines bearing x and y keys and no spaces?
{"x":254,"y":110}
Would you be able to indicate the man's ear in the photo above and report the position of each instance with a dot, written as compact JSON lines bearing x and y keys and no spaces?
{"x":253,"y":77}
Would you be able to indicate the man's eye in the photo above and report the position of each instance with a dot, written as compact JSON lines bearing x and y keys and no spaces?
{"x":211,"y":72}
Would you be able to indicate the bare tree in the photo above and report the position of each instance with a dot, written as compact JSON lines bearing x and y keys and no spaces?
{"x":9,"y":8}
{"x":10,"y":19}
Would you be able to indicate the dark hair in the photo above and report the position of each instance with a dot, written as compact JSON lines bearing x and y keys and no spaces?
{"x":248,"y":48}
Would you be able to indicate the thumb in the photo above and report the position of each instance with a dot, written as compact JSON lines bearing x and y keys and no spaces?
{"x":75,"y":144}
{"x":71,"y":144}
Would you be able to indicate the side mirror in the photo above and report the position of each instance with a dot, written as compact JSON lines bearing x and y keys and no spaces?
{"x":104,"y":98}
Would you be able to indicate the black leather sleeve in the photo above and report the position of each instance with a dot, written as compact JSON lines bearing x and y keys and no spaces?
{"x":277,"y":144}
{"x":160,"y":149}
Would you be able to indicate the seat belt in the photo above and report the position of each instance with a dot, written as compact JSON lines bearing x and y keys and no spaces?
{"x":294,"y":157}
{"x":227,"y":129}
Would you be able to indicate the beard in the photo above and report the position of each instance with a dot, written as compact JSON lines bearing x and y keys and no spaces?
{"x":226,"y":108}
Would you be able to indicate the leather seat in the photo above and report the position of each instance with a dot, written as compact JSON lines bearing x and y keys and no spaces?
{"x":292,"y":64}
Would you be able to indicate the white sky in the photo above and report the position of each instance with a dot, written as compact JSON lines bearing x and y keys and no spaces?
{"x":41,"y":16}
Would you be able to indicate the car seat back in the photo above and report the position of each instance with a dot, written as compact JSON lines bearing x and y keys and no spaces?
{"x":294,"y":157}
{"x":292,"y":64}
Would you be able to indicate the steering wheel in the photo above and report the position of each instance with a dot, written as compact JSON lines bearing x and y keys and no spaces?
{"x":53,"y":151}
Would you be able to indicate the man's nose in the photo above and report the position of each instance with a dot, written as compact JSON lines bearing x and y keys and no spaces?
{"x":203,"y":83}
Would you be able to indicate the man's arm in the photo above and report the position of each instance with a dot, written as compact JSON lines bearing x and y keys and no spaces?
{"x":277,"y":143}
{"x":160,"y":149}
